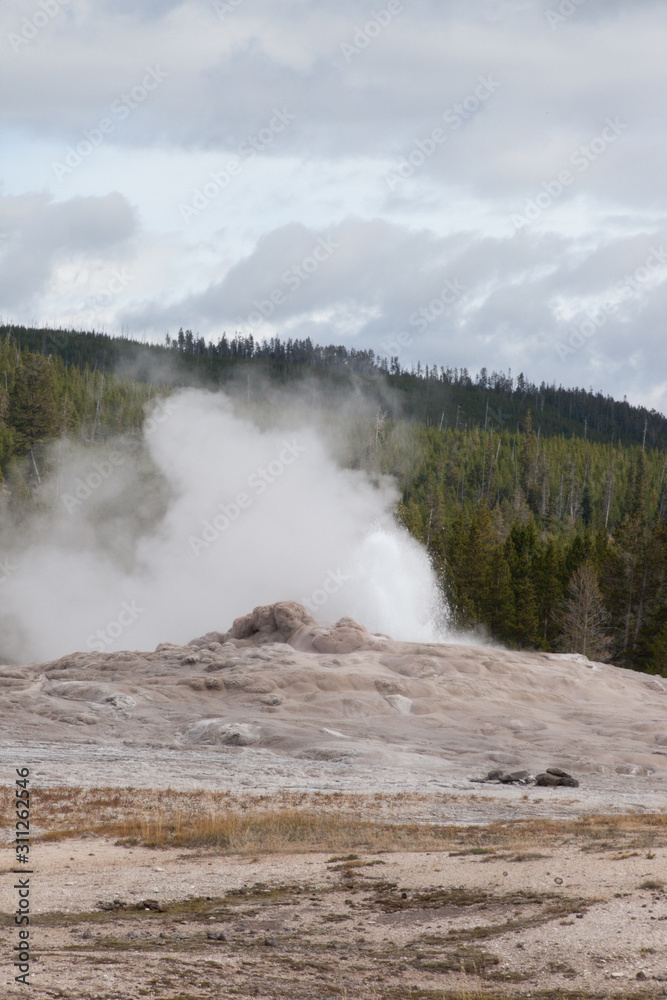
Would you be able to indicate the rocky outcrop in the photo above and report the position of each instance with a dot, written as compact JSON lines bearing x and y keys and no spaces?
{"x":554,"y":776}
{"x":289,"y":622}
{"x":218,"y":732}
{"x":551,"y":778}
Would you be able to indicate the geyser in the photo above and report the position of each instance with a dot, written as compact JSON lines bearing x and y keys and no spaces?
{"x":248,"y":517}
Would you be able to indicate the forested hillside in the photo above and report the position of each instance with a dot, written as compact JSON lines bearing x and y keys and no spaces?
{"x":443,"y":397}
{"x":546,"y":543}
{"x":41,"y":399}
{"x":544,"y":509}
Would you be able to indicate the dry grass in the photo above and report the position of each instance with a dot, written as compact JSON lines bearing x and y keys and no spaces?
{"x":308,"y":822}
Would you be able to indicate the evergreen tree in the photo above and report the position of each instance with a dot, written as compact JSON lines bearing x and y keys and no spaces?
{"x":31,"y":412}
{"x":548,"y":572}
{"x":658,"y":662}
{"x":32,"y":404}
{"x":501,"y":606}
{"x":521,"y":551}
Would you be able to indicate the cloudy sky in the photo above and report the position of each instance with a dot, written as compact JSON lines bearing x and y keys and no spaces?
{"x":461,"y":182}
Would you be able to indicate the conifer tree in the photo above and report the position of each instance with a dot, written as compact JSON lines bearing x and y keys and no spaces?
{"x":32,"y":406}
{"x":521,"y":550}
{"x":658,"y":663}
{"x":501,"y":607}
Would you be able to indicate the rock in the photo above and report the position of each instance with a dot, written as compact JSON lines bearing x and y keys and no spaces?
{"x":191,"y":658}
{"x":547,"y":780}
{"x":515,"y":778}
{"x":99,"y":694}
{"x":264,"y":622}
{"x":216,"y":665}
{"x":386,"y":687}
{"x":217,"y":936}
{"x":119,"y":700}
{"x":402,"y":705}
{"x":218,"y":732}
{"x":661,"y":739}
{"x":242,"y":628}
{"x":339,"y":639}
{"x":270,"y":942}
{"x":289,"y":622}
{"x":210,"y":639}
{"x":269,"y":623}
{"x":168,"y":648}
{"x":555,"y":776}
{"x":634,"y":770}
{"x":271,"y":700}
{"x":290,"y":616}
{"x":511,"y":778}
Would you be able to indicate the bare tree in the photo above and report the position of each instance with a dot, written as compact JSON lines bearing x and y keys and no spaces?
{"x":583,"y":618}
{"x":379,"y":426}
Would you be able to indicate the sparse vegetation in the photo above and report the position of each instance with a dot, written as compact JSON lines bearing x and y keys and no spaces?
{"x":324,"y":822}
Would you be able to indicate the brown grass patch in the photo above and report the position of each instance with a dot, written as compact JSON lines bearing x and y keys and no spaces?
{"x":311,"y":822}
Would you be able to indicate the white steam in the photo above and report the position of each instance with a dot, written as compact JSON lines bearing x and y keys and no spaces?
{"x":252,"y":517}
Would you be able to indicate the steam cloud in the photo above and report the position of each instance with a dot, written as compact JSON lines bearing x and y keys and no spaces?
{"x":246,"y":517}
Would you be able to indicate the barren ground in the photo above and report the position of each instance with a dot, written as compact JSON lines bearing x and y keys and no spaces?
{"x":337,"y":844}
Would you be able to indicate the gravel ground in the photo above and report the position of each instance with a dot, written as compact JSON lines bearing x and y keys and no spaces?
{"x":295,"y":924}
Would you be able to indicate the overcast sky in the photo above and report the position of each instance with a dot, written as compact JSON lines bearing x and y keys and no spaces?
{"x":461,"y":182}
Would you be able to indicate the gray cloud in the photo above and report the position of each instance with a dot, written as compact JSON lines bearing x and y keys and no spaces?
{"x":466,"y":300}
{"x":368,"y":92}
{"x":40,"y":233}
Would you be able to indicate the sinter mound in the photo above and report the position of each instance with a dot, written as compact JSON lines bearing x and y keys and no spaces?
{"x":289,"y":622}
{"x":281,"y":701}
